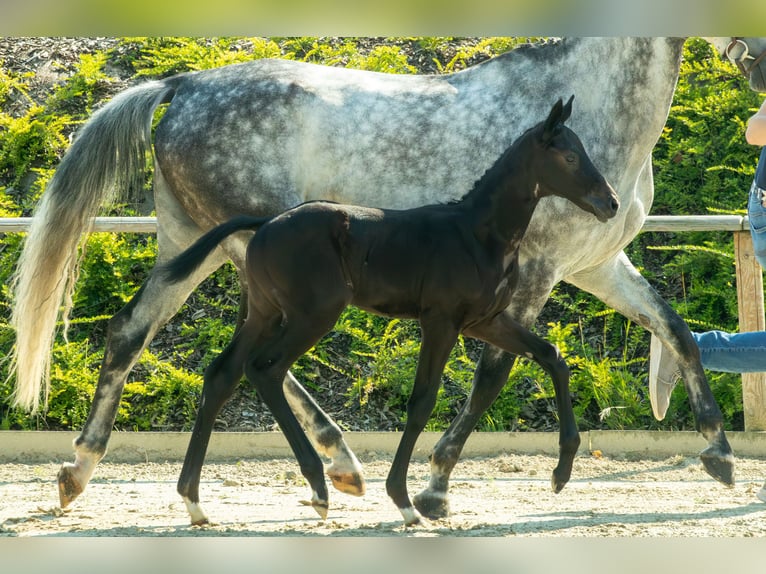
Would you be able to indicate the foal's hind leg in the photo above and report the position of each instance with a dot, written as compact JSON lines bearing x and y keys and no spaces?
{"x":221,"y":378}
{"x":345,"y":471}
{"x":266,"y":369}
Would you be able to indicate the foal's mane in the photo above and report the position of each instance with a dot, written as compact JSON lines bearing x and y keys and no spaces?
{"x":496,"y":173}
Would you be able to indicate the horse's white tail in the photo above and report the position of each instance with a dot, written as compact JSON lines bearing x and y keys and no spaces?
{"x":105,"y":161}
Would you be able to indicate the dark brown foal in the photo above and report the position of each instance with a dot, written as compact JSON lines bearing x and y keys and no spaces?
{"x":452,"y":267}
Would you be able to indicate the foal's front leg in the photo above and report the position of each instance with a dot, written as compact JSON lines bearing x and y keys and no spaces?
{"x":505,"y":332}
{"x":437,"y":339}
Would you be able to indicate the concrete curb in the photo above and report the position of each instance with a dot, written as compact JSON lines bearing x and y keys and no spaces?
{"x":51,"y":446}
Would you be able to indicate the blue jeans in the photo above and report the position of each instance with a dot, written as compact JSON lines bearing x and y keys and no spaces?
{"x":732,"y":352}
{"x":756,"y":213}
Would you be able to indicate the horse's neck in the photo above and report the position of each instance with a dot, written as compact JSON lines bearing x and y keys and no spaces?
{"x":623,"y":88}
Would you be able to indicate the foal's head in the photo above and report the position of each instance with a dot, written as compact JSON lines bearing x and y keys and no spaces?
{"x":563,"y":168}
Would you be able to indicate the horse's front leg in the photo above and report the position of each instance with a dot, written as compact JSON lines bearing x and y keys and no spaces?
{"x":505,"y":332}
{"x":489,"y":379}
{"x":619,"y":285}
{"x":437,"y":339}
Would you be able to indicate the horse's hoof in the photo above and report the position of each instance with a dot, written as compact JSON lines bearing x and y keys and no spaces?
{"x":558,"y":482}
{"x":719,"y":466}
{"x":200,"y":522}
{"x":432,"y":505}
{"x":348,"y":483}
{"x":69,"y":487}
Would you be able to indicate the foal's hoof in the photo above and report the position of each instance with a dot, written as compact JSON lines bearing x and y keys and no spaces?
{"x":719,"y":466}
{"x":348,"y":482}
{"x":433,"y":505}
{"x":321,"y":509}
{"x":411,"y":517}
{"x":69,"y":487}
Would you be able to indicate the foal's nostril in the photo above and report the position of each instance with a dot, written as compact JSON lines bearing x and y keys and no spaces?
{"x":615,"y":204}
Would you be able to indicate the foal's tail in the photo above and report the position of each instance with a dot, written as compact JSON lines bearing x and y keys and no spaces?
{"x":106,"y":161}
{"x":184,"y":264}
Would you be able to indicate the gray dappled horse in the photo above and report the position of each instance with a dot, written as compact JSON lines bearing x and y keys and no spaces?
{"x":453,"y":267}
{"x":261,"y":137}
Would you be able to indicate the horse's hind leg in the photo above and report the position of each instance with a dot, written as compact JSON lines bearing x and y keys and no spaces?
{"x":345,"y":472}
{"x":129,"y":332}
{"x":267,"y":367}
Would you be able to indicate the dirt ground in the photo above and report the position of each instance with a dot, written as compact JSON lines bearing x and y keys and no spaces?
{"x":506,"y":496}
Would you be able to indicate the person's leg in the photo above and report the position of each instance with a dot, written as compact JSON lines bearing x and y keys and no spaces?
{"x":732,"y":352}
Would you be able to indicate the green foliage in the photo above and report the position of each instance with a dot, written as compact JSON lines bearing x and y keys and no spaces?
{"x":166,"y":400}
{"x":85,"y":87}
{"x":29,"y":140}
{"x":702,"y":165}
{"x":467,"y":53}
{"x":160,"y":56}
{"x":379,"y":358}
{"x":114,"y":267}
{"x":74,"y":371}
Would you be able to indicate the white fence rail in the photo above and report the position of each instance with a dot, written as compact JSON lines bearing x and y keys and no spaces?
{"x":749,"y":279}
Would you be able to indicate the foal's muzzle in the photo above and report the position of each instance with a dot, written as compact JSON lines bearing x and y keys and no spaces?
{"x":604,"y":202}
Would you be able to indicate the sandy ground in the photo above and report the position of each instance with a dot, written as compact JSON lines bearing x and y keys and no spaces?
{"x":506,"y":496}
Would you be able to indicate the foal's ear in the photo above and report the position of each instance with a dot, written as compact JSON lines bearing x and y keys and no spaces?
{"x":567,"y":111}
{"x":559,"y":114}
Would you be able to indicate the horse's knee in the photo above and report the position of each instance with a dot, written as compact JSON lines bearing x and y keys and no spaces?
{"x":123,"y":340}
{"x":418,"y":412}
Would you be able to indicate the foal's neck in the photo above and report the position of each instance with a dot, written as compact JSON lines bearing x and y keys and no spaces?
{"x":504,"y":200}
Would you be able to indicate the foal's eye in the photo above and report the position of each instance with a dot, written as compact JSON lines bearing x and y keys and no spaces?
{"x":571,"y":158}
